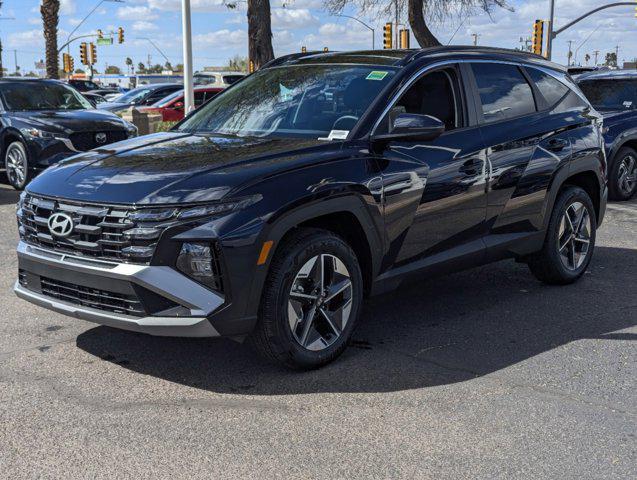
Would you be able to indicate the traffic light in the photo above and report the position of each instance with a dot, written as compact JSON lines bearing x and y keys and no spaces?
{"x":100,"y":34}
{"x":387,"y":36}
{"x":404,"y":39}
{"x":66,"y":63}
{"x":326,"y":49}
{"x":71,"y":64}
{"x":120,"y":35}
{"x":92,"y":54}
{"x":83,"y":53}
{"x":538,"y":37}
{"x":303,"y":49}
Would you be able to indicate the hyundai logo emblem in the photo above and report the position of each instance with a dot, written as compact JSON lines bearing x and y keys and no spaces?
{"x":60,"y":225}
{"x":100,"y":137}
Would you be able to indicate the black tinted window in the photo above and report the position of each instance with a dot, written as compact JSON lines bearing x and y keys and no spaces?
{"x":504,"y":91}
{"x":551,"y":88}
{"x":611,"y":94}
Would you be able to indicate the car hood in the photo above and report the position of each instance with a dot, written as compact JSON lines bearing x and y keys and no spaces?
{"x":173,"y":167}
{"x":113,"y":106}
{"x":67,"y":121}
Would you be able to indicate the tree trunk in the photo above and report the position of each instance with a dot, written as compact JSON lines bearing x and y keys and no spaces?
{"x":418,"y":25}
{"x":1,"y":67}
{"x":259,"y":33}
{"x":49,"y":10}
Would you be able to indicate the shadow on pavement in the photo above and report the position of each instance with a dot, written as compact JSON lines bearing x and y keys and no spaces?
{"x":435,"y":332}
{"x":8,"y":195}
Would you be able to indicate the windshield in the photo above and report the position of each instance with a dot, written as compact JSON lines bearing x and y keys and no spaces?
{"x":42,"y":96}
{"x":169,"y":99}
{"x":313,"y":101}
{"x":611,"y":94}
{"x":134,"y":95}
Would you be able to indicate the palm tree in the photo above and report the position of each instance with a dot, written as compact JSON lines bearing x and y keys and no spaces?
{"x":129,"y":63}
{"x":260,"y":49}
{"x":50,"y":10}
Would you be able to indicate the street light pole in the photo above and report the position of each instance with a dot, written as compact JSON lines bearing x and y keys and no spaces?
{"x":363,"y":24}
{"x":189,"y":103}
{"x":549,"y":41}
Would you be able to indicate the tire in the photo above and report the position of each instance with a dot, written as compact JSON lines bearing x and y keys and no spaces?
{"x":280,"y":332}
{"x":16,"y":164}
{"x":622,"y":181}
{"x":558,"y":263}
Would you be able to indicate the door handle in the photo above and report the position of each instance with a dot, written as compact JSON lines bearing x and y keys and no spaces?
{"x":557,"y":144}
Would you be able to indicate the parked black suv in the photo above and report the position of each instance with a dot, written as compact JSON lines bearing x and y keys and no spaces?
{"x":45,"y":121}
{"x":269,"y":213}
{"x":613,"y":93}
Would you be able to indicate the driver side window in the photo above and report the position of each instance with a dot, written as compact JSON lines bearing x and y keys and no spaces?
{"x":435,"y":94}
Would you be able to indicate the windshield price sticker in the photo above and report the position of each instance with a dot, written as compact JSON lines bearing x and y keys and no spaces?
{"x":376,"y":75}
{"x":336,"y":135}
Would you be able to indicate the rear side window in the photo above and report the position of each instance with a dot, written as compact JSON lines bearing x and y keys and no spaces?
{"x":551,"y":89}
{"x":504,"y":91}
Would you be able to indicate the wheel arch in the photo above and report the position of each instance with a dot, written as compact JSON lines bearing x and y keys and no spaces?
{"x":9,"y":136}
{"x":626,"y":140}
{"x":346,"y":216}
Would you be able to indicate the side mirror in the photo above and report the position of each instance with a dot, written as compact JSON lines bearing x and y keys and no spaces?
{"x":412,"y":127}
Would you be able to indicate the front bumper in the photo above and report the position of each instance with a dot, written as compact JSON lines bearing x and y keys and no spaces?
{"x":188,"y":304}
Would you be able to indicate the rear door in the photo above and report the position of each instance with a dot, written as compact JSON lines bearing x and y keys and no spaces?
{"x":525,"y":146}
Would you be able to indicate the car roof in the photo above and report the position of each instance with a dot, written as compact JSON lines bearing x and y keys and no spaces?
{"x":28,"y":79}
{"x":401,"y":58}
{"x":160,"y":85}
{"x":608,"y":75}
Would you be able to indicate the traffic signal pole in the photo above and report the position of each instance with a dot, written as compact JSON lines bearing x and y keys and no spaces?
{"x":189,"y":103}
{"x":553,"y":33}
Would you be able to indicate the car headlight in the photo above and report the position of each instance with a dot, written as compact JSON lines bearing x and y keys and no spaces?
{"x":131,"y":130}
{"x":36,"y":133}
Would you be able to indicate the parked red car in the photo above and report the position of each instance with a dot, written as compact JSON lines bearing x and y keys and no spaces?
{"x":172,"y":106}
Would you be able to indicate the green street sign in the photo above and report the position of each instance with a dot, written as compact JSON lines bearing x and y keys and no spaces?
{"x":105,"y":41}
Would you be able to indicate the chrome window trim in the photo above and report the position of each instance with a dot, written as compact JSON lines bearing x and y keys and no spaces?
{"x":442,"y":63}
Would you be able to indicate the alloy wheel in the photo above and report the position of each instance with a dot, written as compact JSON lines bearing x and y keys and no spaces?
{"x":574,"y":236}
{"x":16,"y":166}
{"x":320,"y":302}
{"x":627,"y":175}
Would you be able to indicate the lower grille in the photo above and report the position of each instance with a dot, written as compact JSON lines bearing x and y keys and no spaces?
{"x":92,"y":297}
{"x":88,"y":140}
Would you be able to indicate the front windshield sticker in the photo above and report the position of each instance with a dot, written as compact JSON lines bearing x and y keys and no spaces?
{"x":376,"y":75}
{"x":628,"y":104}
{"x":336,"y":135}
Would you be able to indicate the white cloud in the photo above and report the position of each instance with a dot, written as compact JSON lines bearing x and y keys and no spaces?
{"x":293,"y":18}
{"x":222,"y":39}
{"x":142,"y":26}
{"x":196,"y":5}
{"x":136,"y":13}
{"x":26,"y":38}
{"x":67,"y":7}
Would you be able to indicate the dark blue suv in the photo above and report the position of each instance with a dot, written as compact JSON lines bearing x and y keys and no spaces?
{"x":614,"y":94}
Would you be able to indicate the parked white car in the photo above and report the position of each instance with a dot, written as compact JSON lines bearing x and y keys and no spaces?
{"x":217,"y":79}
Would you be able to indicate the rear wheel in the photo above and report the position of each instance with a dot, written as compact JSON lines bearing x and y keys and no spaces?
{"x":623,"y":175}
{"x":310,"y":301}
{"x":16,"y":164}
{"x":570,"y":239}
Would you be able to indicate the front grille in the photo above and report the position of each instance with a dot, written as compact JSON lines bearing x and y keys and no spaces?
{"x":92,"y":297}
{"x":99,"y":230}
{"x":84,"y":141}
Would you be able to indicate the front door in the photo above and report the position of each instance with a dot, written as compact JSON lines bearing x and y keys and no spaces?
{"x":434,"y":192}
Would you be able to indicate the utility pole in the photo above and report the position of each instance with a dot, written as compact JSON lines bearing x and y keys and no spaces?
{"x":149,"y":64}
{"x":397,"y":41}
{"x":549,"y":38}
{"x":475,"y":38}
{"x":617,"y":56}
{"x":570,"y":52}
{"x":596,"y":53}
{"x":15,"y":57}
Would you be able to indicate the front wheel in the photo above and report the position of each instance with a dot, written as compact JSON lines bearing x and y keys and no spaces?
{"x":623,"y":175}
{"x":310,"y":302}
{"x":570,"y":239}
{"x":16,"y":164}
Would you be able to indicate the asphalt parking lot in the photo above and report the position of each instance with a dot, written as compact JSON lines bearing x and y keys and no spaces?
{"x":482,"y":374}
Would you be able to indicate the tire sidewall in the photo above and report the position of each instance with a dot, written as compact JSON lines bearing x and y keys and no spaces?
{"x":571,"y":195}
{"x":292,"y":263}
{"x":17,"y":144}
{"x":615,"y":191}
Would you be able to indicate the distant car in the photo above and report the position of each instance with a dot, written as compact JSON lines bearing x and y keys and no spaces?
{"x":105,"y":91}
{"x":217,"y":79}
{"x":111,"y":97}
{"x":45,"y":121}
{"x":94,"y":98}
{"x":83,"y":85}
{"x":172,"y":107}
{"x":614,"y":94}
{"x":141,"y":96}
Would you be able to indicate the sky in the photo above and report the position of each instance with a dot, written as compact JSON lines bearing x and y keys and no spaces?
{"x":220,"y":33}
